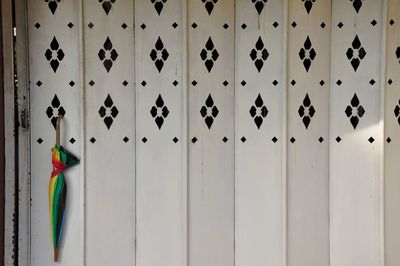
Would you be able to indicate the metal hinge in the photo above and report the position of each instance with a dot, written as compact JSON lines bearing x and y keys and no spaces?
{"x":24,"y":119}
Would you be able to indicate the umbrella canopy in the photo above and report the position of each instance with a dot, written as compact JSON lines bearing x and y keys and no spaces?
{"x":61,"y":160}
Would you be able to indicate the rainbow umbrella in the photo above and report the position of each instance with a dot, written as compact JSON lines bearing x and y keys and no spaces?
{"x":61,"y":160}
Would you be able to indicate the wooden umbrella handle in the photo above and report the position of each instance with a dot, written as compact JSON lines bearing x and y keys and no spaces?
{"x":58,"y":130}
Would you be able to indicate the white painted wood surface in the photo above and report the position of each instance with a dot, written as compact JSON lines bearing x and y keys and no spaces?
{"x":258,"y":118}
{"x":211,"y":159}
{"x":160,"y":126}
{"x":109,"y":121}
{"x":354,"y":161}
{"x":308,"y":133}
{"x":391,"y":136}
{"x":43,"y":26}
{"x":187,"y":192}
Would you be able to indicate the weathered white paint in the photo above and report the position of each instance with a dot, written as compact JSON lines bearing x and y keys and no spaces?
{"x":109,"y":161}
{"x":212,"y":202}
{"x":23,"y":132}
{"x":308,"y":155}
{"x":258,"y":160}
{"x":211,"y":160}
{"x":354,"y":161}
{"x":391,"y":132}
{"x":160,"y":179}
{"x":41,"y":97}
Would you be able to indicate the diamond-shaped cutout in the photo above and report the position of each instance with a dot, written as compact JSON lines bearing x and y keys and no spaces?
{"x":159,"y":54}
{"x":54,"y":54}
{"x":158,"y":5}
{"x":209,"y":54}
{"x":54,"y":110}
{"x":259,"y":54}
{"x":308,"y":4}
{"x":159,"y":111}
{"x":306,"y":111}
{"x":209,"y":111}
{"x":108,"y":112}
{"x":108,"y":54}
{"x":258,"y":111}
{"x":355,"y":111}
{"x":209,"y":5}
{"x":307,"y":54}
{"x":107,"y":5}
{"x":52,"y":4}
{"x":357,"y":4}
{"x":259,"y":5}
{"x":356,"y":53}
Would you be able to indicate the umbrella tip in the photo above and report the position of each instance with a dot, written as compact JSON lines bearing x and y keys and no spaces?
{"x":56,"y":254}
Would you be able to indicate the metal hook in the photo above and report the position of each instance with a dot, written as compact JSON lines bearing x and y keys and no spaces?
{"x":58,"y":130}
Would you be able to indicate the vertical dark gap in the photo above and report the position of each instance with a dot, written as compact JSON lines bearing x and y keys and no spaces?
{"x":16,"y":126}
{"x":2,"y":148}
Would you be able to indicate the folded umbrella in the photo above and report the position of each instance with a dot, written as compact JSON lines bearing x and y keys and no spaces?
{"x":61,"y":160}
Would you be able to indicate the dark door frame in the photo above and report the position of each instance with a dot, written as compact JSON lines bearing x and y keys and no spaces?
{"x":2,"y":148}
{"x":14,"y":134}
